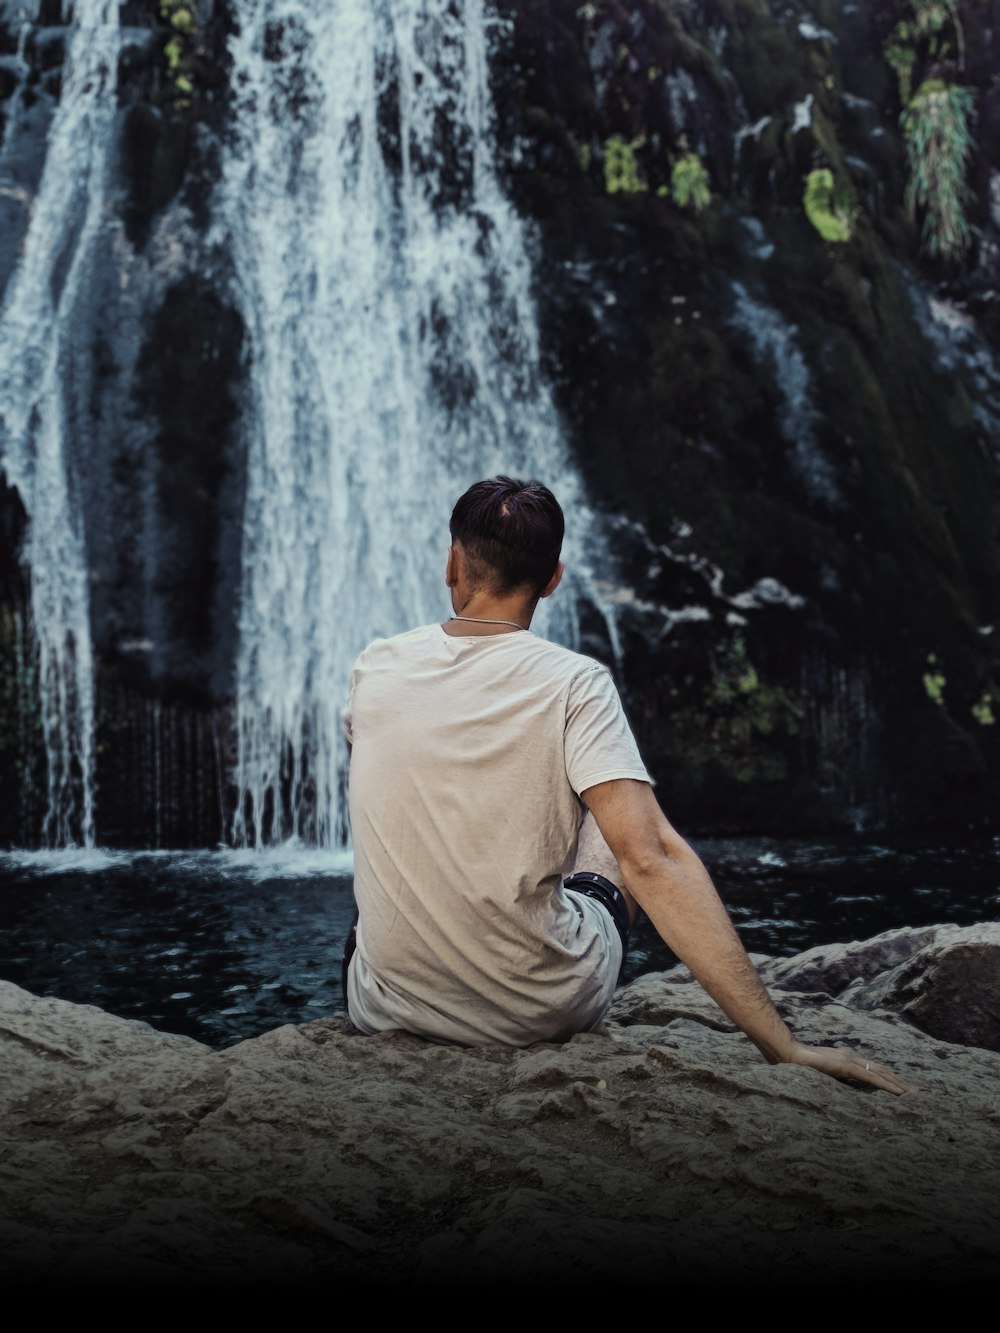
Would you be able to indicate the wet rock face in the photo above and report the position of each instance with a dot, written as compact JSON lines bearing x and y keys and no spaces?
{"x":745,"y":390}
{"x":792,"y":436}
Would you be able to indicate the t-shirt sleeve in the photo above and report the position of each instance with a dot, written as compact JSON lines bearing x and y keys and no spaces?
{"x":599,"y":745}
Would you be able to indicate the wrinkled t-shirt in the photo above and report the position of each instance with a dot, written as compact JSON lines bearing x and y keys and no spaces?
{"x":469,"y":757}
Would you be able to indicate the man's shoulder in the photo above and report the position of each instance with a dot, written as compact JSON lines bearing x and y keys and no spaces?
{"x":388,"y":644}
{"x":568,"y":660}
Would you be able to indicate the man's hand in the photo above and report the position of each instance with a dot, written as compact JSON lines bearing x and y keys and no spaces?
{"x":839,"y":1063}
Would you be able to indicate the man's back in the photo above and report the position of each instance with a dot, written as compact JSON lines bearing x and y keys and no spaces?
{"x":469,"y":752}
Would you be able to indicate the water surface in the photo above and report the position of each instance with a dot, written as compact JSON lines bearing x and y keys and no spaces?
{"x":224,"y":945}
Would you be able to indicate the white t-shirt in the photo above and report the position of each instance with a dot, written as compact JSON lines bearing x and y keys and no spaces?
{"x":469,"y":754}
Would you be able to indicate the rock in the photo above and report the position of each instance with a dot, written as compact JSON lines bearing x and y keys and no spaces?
{"x":831,"y":968}
{"x":662,"y":1150}
{"x":949,"y":987}
{"x":944,"y":979}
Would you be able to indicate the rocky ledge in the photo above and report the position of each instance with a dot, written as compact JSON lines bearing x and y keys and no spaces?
{"x":663,"y":1152}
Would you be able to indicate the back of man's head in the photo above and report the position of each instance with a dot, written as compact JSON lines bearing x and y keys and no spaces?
{"x":511,"y":533}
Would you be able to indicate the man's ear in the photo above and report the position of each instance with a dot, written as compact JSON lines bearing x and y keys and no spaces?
{"x":553,"y":582}
{"x":449,"y":569}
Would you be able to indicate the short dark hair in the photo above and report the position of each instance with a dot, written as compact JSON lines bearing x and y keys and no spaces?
{"x":511,"y":531}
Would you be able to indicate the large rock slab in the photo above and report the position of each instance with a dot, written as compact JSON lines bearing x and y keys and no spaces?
{"x":945,"y":979}
{"x":662,"y":1151}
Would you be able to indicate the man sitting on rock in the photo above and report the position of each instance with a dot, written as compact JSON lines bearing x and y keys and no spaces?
{"x":505,"y":827}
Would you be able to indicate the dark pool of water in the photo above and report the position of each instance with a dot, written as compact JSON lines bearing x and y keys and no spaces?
{"x":225,"y":945}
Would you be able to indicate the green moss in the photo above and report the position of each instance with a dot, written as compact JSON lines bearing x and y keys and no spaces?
{"x":621,"y":168}
{"x":689,"y":185}
{"x":934,"y":680}
{"x":823,"y":209}
{"x":749,"y":681}
{"x":174,"y":51}
{"x":741,"y":709}
{"x":931,"y":34}
{"x":902,"y":59}
{"x":182,"y":20}
{"x":983,"y":710}
{"x":181,"y":51}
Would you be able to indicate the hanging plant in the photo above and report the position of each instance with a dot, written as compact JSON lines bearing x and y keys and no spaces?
{"x":938,"y":147}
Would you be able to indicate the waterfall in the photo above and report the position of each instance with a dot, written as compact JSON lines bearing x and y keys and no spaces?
{"x":38,"y":370}
{"x":393,"y":359}
{"x":774,"y":343}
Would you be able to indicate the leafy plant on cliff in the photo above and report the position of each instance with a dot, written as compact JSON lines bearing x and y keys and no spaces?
{"x":934,"y":680}
{"x":180,"y":50}
{"x":689,"y":183}
{"x":931,"y":18}
{"x":903,"y":58}
{"x":621,"y":169}
{"x":931,"y":32}
{"x":828,"y":214}
{"x":938,"y":147}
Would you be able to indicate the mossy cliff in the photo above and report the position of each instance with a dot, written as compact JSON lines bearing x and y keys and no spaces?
{"x":768,"y":248}
{"x":787,"y":384}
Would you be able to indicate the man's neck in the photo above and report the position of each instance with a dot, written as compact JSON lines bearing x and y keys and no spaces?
{"x":481,"y":614}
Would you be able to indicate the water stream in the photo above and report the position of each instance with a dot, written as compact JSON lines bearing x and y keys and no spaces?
{"x":393,"y":358}
{"x":42,"y":378}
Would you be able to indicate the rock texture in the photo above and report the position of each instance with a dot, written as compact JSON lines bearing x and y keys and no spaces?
{"x":662,"y":1152}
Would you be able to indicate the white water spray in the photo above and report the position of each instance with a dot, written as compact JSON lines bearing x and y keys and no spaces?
{"x":36,"y":346}
{"x":392,"y":355}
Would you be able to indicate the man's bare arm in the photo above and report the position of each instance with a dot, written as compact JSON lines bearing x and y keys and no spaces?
{"x":669,"y":882}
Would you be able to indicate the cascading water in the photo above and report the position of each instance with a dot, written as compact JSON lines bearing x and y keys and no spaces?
{"x":36,"y":379}
{"x":393,"y":360}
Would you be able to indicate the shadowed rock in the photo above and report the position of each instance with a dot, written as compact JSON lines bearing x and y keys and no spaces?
{"x":662,"y":1150}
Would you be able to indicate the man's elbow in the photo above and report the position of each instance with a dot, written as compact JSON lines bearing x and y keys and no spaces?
{"x":657,"y":859}
{"x":659,"y":863}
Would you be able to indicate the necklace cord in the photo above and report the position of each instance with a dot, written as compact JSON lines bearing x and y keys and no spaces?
{"x":480,"y":620}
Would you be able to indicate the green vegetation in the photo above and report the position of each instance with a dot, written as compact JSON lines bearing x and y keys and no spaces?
{"x":621,"y":169}
{"x":935,"y":122}
{"x":934,"y":680}
{"x":902,"y":58}
{"x":828,"y":214}
{"x":938,"y":147}
{"x":180,"y":50}
{"x":983,"y":710}
{"x":689,"y":183}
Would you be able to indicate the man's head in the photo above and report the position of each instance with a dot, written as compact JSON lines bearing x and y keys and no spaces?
{"x":511,"y":533}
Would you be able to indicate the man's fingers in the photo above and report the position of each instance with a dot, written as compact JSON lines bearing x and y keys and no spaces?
{"x":879,"y":1076}
{"x":845,"y":1064}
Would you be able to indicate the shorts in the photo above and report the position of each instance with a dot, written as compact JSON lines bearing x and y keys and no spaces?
{"x":603,"y":891}
{"x":586,"y":882}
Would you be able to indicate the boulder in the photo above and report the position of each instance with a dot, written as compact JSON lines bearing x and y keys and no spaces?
{"x":661,"y":1151}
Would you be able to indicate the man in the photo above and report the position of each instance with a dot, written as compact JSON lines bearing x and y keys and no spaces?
{"x":505,"y":827}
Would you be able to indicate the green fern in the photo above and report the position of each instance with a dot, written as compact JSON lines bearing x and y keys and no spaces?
{"x":938,"y":147}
